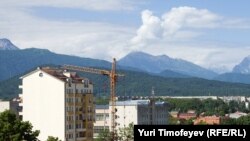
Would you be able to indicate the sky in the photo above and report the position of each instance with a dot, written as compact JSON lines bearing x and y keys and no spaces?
{"x":210,"y":33}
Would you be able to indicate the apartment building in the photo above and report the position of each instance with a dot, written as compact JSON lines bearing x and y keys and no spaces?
{"x":138,"y":112}
{"x":102,"y":120}
{"x":58,"y":103}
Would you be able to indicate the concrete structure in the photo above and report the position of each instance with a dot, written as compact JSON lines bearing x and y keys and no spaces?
{"x":234,"y":98}
{"x":58,"y":103}
{"x":139,"y":112}
{"x":11,"y":105}
{"x":247,"y":105}
{"x":191,"y":97}
{"x":236,"y":115}
{"x":102,"y":119}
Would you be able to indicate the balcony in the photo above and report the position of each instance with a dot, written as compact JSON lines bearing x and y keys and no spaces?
{"x":81,"y":129}
{"x":81,"y":138}
{"x":20,"y":95}
{"x":20,"y":104}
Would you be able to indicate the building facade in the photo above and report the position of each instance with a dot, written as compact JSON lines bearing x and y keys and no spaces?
{"x":138,"y":112}
{"x":58,"y":103}
{"x":11,"y":105}
{"x":101,"y":119}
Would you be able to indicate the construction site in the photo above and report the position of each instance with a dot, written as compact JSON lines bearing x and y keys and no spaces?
{"x":63,"y":99}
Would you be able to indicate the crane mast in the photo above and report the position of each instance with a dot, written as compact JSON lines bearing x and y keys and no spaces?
{"x":113,"y":77}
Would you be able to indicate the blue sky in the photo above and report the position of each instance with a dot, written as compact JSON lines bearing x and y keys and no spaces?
{"x":211,"y":33}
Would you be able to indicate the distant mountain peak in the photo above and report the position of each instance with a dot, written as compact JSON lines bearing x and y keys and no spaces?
{"x":156,"y":64}
{"x":6,"y":44}
{"x":243,"y":67}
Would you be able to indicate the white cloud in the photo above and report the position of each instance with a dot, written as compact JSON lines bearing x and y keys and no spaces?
{"x":175,"y":34}
{"x":187,"y":17}
{"x":81,"y":4}
{"x":169,"y":34}
{"x":86,"y":39}
{"x":175,"y":24}
{"x":181,"y":23}
{"x":150,"y":29}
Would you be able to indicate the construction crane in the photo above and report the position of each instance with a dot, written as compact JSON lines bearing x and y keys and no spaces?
{"x":113,"y":78}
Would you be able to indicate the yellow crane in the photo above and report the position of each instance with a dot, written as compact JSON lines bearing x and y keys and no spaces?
{"x":113,"y":78}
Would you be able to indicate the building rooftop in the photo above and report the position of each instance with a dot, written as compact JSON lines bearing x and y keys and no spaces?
{"x":64,"y":75}
{"x":237,"y":114}
{"x":137,"y":102}
{"x":61,"y":74}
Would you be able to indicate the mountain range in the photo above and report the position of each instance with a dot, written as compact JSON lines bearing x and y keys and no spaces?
{"x":177,"y":68}
{"x":14,"y":61}
{"x":173,"y":76}
{"x":159,"y":64}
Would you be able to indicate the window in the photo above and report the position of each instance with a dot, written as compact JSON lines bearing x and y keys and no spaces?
{"x":41,"y":74}
{"x":81,"y":134}
{"x":99,"y":129}
{"x":99,"y":117}
{"x":70,"y":136}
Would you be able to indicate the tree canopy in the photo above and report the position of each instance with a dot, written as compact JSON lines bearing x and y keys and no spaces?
{"x":13,"y":129}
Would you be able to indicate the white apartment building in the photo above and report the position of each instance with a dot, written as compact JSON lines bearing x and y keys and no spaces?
{"x":101,"y":119}
{"x":138,"y":112}
{"x":58,"y":103}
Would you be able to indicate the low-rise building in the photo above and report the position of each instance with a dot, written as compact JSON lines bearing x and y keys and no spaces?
{"x":11,"y":105}
{"x":138,"y":112}
{"x":237,"y":115}
{"x":187,"y":116}
{"x":210,"y":120}
{"x":101,"y":119}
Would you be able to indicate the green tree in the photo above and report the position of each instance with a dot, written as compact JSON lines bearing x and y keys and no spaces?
{"x":126,"y":133}
{"x":105,"y":135}
{"x":228,"y":121}
{"x":173,"y":121}
{"x":50,"y":138}
{"x":244,"y":120}
{"x":13,"y":129}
